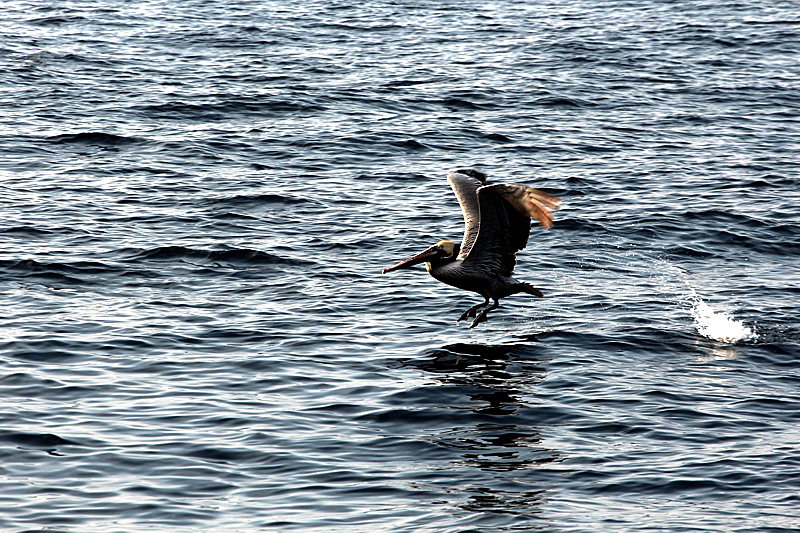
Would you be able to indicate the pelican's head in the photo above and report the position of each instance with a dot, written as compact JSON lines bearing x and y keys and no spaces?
{"x":441,"y":252}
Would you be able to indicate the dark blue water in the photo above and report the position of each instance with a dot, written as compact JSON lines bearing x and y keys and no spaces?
{"x":198,"y":198}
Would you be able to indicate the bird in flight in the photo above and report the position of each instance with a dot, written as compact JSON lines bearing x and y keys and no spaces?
{"x":497,"y":220}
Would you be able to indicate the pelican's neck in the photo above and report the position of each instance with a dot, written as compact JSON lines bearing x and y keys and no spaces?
{"x":441,"y":266}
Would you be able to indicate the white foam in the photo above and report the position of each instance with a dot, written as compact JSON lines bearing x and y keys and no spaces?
{"x":718,"y":325}
{"x":711,"y":323}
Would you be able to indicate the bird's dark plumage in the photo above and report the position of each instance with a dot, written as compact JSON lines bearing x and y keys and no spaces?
{"x":497,"y":218}
{"x":497,"y":224}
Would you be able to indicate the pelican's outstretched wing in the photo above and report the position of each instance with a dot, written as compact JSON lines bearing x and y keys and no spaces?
{"x":465,"y":183}
{"x":503,"y":224}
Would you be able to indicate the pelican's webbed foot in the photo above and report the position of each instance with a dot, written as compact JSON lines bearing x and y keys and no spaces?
{"x":470,"y":313}
{"x":482,"y":316}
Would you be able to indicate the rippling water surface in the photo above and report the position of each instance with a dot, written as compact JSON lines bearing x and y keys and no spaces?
{"x":198,"y":198}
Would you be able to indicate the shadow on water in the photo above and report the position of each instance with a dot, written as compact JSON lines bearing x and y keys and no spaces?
{"x":495,"y":445}
{"x":496,"y":377}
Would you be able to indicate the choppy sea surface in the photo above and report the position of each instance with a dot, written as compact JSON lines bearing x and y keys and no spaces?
{"x":198,"y":198}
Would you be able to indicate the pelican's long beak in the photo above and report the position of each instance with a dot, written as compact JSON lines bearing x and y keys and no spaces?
{"x":417,"y":259}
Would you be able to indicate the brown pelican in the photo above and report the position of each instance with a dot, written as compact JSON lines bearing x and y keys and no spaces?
{"x":497,"y":220}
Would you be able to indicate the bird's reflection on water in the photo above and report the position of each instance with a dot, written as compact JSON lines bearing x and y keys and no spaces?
{"x":500,"y":380}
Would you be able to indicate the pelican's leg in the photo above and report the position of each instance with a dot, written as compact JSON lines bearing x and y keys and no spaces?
{"x":482,"y":315}
{"x":470,"y":313}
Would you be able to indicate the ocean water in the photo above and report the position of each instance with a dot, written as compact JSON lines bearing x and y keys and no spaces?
{"x":198,"y":198}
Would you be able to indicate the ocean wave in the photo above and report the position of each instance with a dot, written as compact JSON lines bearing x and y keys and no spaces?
{"x":77,"y":273}
{"x":255,"y":199}
{"x":234,"y":256}
{"x":96,"y":138}
{"x":221,"y":109}
{"x":34,"y":440}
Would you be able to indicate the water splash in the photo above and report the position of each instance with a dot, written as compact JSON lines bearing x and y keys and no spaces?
{"x":710,"y":322}
{"x":717,"y":325}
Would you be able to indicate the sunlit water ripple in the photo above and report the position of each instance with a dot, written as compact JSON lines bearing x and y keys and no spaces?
{"x":199,"y":198}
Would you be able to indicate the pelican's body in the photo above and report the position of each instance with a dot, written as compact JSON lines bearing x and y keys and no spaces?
{"x":497,"y":221}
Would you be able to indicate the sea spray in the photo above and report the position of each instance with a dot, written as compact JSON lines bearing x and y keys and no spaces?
{"x":717,"y":325}
{"x":711,"y":323}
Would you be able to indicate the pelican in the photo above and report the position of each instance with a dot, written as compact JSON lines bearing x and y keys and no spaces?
{"x":497,"y":223}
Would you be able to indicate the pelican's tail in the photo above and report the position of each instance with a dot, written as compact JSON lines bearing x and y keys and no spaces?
{"x":527,"y":288}
{"x":530,"y":289}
